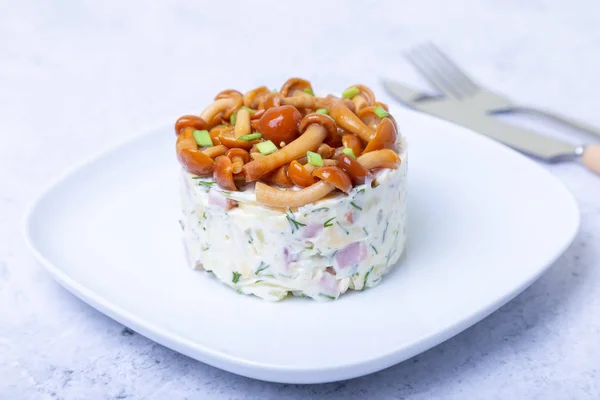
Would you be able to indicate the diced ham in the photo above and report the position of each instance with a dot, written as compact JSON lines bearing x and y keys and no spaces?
{"x":350,"y":255}
{"x":311,"y":230}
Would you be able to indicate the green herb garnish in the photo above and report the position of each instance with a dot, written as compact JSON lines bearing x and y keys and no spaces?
{"x":322,"y":111}
{"x":236,"y":277}
{"x":355,"y":206}
{"x":314,"y":159}
{"x":252,"y":136}
{"x":365,"y":231}
{"x":233,"y":118}
{"x":295,"y":224}
{"x":328,"y":223}
{"x":203,"y":138}
{"x":380,"y":112}
{"x":342,"y":228}
{"x":384,"y":232}
{"x":310,"y":247}
{"x":374,"y":249}
{"x":350,"y":92}
{"x":327,"y":296}
{"x":267,"y":147}
{"x":309,"y":91}
{"x":366,"y":277}
{"x":320,"y":209}
{"x":262,"y":267}
{"x":349,"y":152}
{"x":206,"y":184}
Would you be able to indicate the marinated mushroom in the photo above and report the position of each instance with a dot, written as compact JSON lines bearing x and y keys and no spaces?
{"x":289,"y":139}
{"x":192,"y":121}
{"x":335,"y":176}
{"x":385,"y":137}
{"x":224,"y":105}
{"x":280,"y":124}
{"x":223,"y":173}
{"x":190,"y":157}
{"x":348,"y":120}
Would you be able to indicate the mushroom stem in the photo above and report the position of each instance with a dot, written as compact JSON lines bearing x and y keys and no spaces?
{"x":384,"y":158}
{"x":309,"y":140}
{"x":349,"y":121}
{"x":272,"y":197}
{"x":242,"y":123}
{"x":215,"y":151}
{"x":216,"y":107}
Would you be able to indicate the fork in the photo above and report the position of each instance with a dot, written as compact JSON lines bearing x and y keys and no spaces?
{"x":445,"y":75}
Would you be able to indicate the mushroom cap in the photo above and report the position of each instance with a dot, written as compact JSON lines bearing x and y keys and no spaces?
{"x":293,"y":84}
{"x":320,"y":119}
{"x":253,"y":98}
{"x":385,"y":136}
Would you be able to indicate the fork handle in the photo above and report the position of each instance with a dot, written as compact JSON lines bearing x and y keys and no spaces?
{"x":559,"y":118}
{"x":591,"y":158}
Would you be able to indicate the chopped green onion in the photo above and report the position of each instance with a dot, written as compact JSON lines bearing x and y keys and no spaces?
{"x":252,"y":136}
{"x":356,"y":206}
{"x":236,"y":277}
{"x":350,"y":92}
{"x":251,"y":111}
{"x":203,"y":138}
{"x":233,"y":118}
{"x":322,"y":111}
{"x":328,"y":223}
{"x":314,"y":159}
{"x":267,"y":147}
{"x":349,"y":152}
{"x":309,"y":91}
{"x":380,"y":112}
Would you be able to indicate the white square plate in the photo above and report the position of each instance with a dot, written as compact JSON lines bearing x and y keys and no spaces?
{"x":484,"y":223}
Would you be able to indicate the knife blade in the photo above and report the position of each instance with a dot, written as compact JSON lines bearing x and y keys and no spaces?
{"x":521,"y":139}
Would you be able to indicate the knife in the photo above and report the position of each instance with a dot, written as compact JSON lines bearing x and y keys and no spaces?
{"x":521,"y":139}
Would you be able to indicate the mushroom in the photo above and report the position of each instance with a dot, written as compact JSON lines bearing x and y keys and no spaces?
{"x":280,"y":124}
{"x":238,"y":158}
{"x":223,"y":173}
{"x":224,"y":105}
{"x":384,"y":158}
{"x":385,"y":137}
{"x":227,"y":138}
{"x":190,"y":120}
{"x":296,"y":86}
{"x":325,"y":151}
{"x":189,"y":156}
{"x":215,"y":151}
{"x":298,"y":93}
{"x":256,"y":97}
{"x":352,"y":142}
{"x":299,"y":175}
{"x":314,"y":132}
{"x":348,"y":120}
{"x":370,"y":117}
{"x":364,"y":98}
{"x":357,"y":172}
{"x":323,"y":120}
{"x":242,"y":123}
{"x":280,"y":177}
{"x":273,"y":197}
{"x":335,"y":176}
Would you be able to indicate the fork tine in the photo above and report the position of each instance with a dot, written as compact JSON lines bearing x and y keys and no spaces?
{"x":434,"y":79}
{"x":419,"y":59}
{"x":453,"y":71}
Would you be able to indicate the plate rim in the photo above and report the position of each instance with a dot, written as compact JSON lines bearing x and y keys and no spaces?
{"x":265,"y":371}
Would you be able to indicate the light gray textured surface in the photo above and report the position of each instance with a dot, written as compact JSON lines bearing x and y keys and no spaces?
{"x":77,"y":76}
